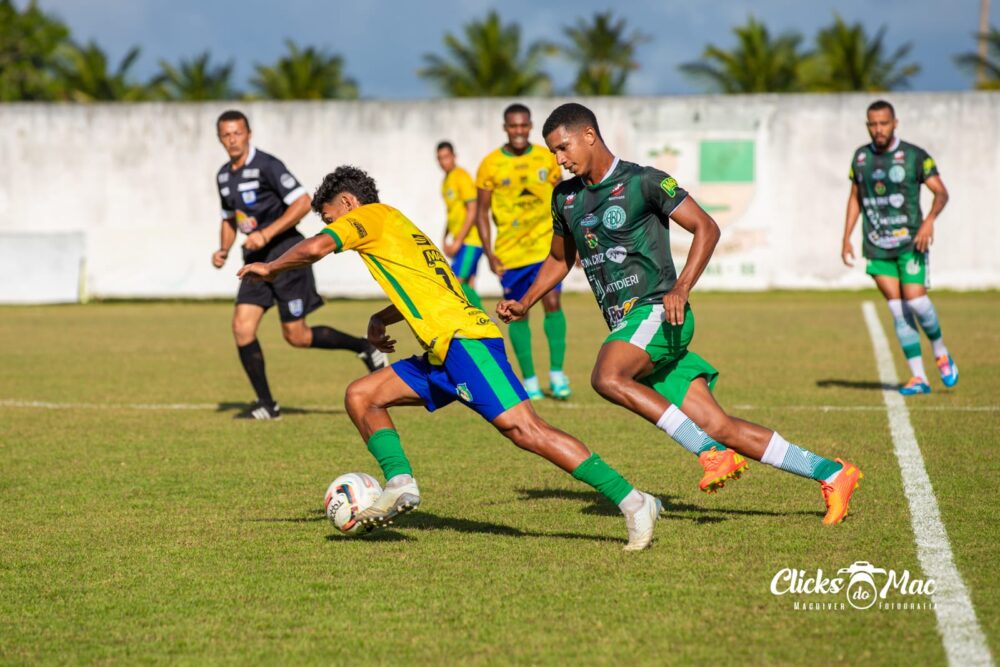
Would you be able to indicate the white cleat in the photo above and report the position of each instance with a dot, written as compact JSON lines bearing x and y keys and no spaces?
{"x":393,"y":502}
{"x":640,"y":524}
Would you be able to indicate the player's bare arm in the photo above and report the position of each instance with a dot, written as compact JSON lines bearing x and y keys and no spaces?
{"x":377,"y":334}
{"x":562,"y":256}
{"x":484,"y":200}
{"x":925,"y":235}
{"x":227,"y":236}
{"x":694,"y":219}
{"x":304,"y":253}
{"x":291,"y":217}
{"x":853,"y":211}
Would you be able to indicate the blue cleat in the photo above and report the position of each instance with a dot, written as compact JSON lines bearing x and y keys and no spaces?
{"x":915,"y":386}
{"x":560,"y":390}
{"x":949,"y":371}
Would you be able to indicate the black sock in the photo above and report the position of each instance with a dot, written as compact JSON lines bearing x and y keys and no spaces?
{"x":329,"y":338}
{"x":253,"y":363}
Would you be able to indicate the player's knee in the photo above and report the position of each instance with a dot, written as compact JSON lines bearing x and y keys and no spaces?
{"x":244,"y":332}
{"x":358,"y":397}
{"x":609,"y":386}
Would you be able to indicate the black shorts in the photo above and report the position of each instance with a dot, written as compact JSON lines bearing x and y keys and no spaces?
{"x":295,"y":290}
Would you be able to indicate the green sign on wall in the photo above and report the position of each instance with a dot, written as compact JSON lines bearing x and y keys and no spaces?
{"x":726,"y":161}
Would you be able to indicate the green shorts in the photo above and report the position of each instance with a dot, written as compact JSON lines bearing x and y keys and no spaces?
{"x":674,"y":366}
{"x":909,"y":268}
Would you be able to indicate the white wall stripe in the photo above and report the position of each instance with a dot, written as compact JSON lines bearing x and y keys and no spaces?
{"x":963,"y":639}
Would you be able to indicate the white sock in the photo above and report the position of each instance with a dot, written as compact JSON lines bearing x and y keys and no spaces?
{"x":398,"y":481}
{"x":531,"y":384}
{"x":917,"y":368}
{"x":558,"y":377}
{"x":940,"y":350}
{"x":632,"y":503}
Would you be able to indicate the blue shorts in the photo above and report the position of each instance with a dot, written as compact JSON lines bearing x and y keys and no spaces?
{"x":476,"y":372}
{"x":466,"y":261}
{"x":515,"y":282}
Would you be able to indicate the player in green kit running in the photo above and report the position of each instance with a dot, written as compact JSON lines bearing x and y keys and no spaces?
{"x":886,"y":176}
{"x":616,"y":215}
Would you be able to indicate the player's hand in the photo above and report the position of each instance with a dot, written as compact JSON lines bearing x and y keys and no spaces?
{"x":377,"y":335}
{"x":496,"y":266}
{"x":847,"y":254}
{"x":674,"y":302}
{"x":219,"y":258}
{"x":256,"y":271}
{"x":925,"y":236}
{"x":255,"y":241}
{"x":509,"y":310}
{"x":451,"y":248}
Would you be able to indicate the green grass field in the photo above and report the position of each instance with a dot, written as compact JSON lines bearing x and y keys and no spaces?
{"x":152,"y":534}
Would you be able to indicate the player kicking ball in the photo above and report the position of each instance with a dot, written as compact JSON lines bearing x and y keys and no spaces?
{"x":616,"y":215}
{"x":464,"y":360}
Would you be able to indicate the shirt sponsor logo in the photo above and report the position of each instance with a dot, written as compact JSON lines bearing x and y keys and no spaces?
{"x":295,"y":307}
{"x":879,"y":174}
{"x":618,"y":192}
{"x":246,"y":223}
{"x":433,"y":257}
{"x":251,"y":173}
{"x":249,"y":185}
{"x":669,"y":185}
{"x":879,"y":188}
{"x":543,"y":173}
{"x":358,"y":227}
{"x":928,"y":166}
{"x":570,"y":198}
{"x":250,"y":197}
{"x":224,"y":177}
{"x":861,"y":158}
{"x":224,"y":191}
{"x":287,"y":180}
{"x":616,"y":254}
{"x":589,"y":220}
{"x":899,"y":156}
{"x":614,"y":217}
{"x":505,"y":182}
{"x":616,"y":314}
{"x":592,"y":261}
{"x":622,"y":283}
{"x":897,"y":173}
{"x":590,"y":238}
{"x":896,"y":200}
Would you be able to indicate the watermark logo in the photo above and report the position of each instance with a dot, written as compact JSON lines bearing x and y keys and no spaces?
{"x":859,"y":586}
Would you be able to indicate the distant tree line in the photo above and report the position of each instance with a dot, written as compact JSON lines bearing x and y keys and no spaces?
{"x":40,"y":61}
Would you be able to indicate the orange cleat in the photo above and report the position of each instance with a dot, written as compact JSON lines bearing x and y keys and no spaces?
{"x":838,"y":493}
{"x":720,"y":466}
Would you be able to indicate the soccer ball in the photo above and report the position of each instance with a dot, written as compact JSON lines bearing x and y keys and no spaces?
{"x":348,"y":495}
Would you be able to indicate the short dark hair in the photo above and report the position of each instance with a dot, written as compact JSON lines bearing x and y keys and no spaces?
{"x":879,"y":105}
{"x":446,"y":144}
{"x":232,"y":114}
{"x":516,"y":107}
{"x":572,"y":116}
{"x":345,"y":179}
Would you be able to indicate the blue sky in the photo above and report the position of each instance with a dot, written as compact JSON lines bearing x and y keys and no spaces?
{"x":383,"y":41}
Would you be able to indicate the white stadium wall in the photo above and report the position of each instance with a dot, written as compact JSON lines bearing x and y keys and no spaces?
{"x":129,"y":189}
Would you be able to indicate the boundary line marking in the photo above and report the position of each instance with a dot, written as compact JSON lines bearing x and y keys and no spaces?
{"x":963,"y":639}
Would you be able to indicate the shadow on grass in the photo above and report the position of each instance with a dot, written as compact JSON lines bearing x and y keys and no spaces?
{"x":855,"y":384}
{"x":672,"y":509}
{"x":313,"y":515}
{"x":238,"y":407}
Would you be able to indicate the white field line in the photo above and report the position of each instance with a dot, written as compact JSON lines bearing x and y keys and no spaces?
{"x":963,"y":639}
{"x":50,"y":405}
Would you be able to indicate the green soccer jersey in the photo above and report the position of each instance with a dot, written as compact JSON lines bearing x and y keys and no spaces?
{"x":889,"y":193}
{"x":621,"y":230}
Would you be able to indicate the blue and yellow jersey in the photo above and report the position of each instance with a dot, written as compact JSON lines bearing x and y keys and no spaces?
{"x":458,"y":190}
{"x":522,"y":202}
{"x":415,"y":276}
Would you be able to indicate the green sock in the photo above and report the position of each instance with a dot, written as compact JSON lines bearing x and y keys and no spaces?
{"x":555,"y":331}
{"x":604,"y":478}
{"x":472,"y":296}
{"x":384,"y":445}
{"x":520,"y":338}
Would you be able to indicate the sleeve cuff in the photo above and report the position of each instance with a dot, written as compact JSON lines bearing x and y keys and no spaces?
{"x":293,"y":195}
{"x":336,"y":239}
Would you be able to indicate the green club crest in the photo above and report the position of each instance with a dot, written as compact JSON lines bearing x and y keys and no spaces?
{"x":614,"y":217}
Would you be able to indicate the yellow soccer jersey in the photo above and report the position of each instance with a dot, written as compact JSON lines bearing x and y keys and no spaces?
{"x":522,"y":202}
{"x":458,"y":190}
{"x":415,"y":276}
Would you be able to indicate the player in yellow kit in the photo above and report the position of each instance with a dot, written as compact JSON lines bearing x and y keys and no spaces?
{"x":515,"y":182}
{"x":461,"y":241}
{"x":464,"y":358}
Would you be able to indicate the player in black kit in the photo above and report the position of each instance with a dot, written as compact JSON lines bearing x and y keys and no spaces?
{"x":261,"y":198}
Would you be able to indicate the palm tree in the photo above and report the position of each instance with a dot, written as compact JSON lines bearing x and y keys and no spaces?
{"x":604,"y":53}
{"x":85,"y":76}
{"x":29,"y":42}
{"x":304,"y":74}
{"x":847,"y":59}
{"x":758,"y":64}
{"x":195,"y":79}
{"x":990,"y":63}
{"x":489,"y":63}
